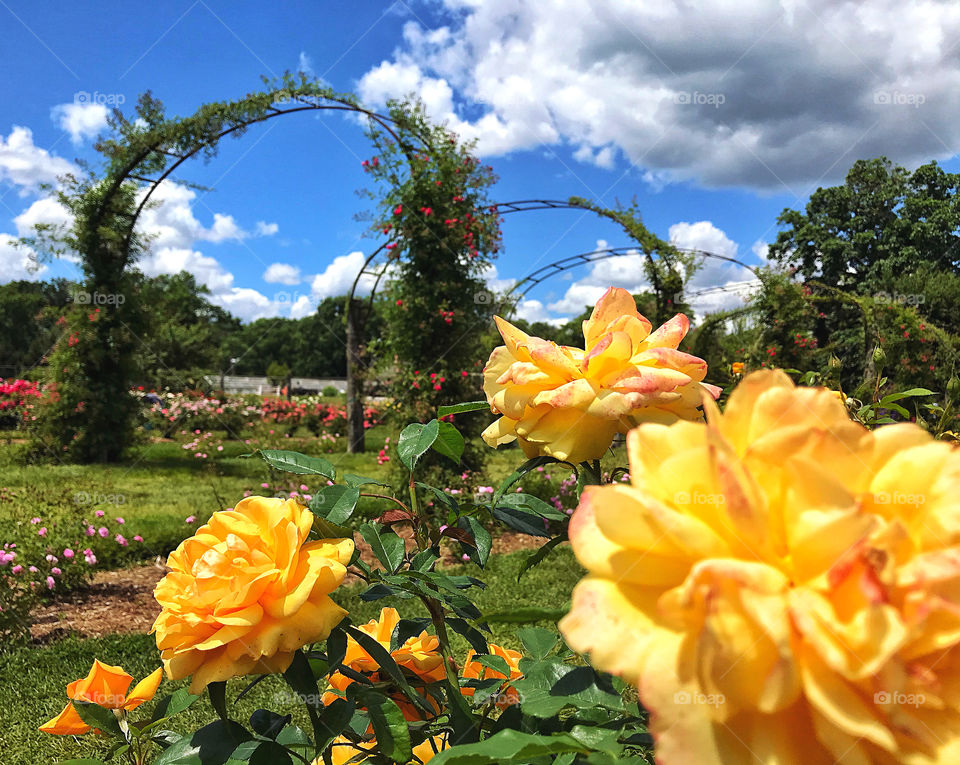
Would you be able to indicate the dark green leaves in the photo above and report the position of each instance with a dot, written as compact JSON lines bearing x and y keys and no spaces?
{"x":173,"y":704}
{"x":213,"y":744}
{"x":449,"y":442}
{"x":482,"y":541}
{"x":542,"y":552}
{"x":467,"y":406}
{"x":336,"y":503}
{"x":98,"y":717}
{"x":510,"y":746}
{"x":294,"y":462}
{"x":389,"y":725}
{"x":386,"y":545}
{"x":538,"y":642}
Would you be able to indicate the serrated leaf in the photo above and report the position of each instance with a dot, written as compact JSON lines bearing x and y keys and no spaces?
{"x":301,"y":464}
{"x":532,"y":504}
{"x":385,"y":544}
{"x":336,"y":503}
{"x":542,"y":552}
{"x":99,"y":718}
{"x":414,"y":441}
{"x":467,"y":406}
{"x":389,"y":726}
{"x":449,"y":442}
{"x":510,"y":746}
{"x":482,"y":541}
{"x":211,"y":745}
{"x":538,"y":642}
{"x":173,"y":704}
{"x":356,"y":481}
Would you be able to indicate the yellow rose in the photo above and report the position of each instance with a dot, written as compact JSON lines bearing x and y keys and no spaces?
{"x":474,"y":670}
{"x":569,"y":403}
{"x":343,"y":750}
{"x":737,"y":367}
{"x":247,"y":591}
{"x":780,"y":584}
{"x":420,"y":654}
{"x":105,"y":686}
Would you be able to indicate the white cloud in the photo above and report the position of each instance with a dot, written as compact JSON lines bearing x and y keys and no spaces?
{"x":80,"y":120}
{"x":282,"y":273}
{"x":266,"y":229}
{"x":26,"y":165}
{"x":702,"y":235}
{"x":224,"y":228}
{"x":337,"y":278}
{"x":761,"y":249}
{"x":305,"y":64}
{"x":17,"y":263}
{"x":173,"y":260}
{"x":302,"y":307}
{"x":46,"y":210}
{"x":761,"y":94}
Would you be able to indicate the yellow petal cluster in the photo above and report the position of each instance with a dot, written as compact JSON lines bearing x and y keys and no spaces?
{"x":419,"y":654}
{"x":343,"y":750}
{"x":569,"y":402}
{"x":474,"y":670}
{"x":247,"y":591}
{"x":106,"y":686}
{"x":781,"y":585}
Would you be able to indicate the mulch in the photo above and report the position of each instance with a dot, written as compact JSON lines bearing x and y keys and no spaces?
{"x":122,"y":601}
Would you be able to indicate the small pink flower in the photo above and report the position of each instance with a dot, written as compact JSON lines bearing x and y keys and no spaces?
{"x":51,"y":583}
{"x":43,"y":531}
{"x":17,"y":569}
{"x":34,"y":521}
{"x":264,"y":486}
{"x":189,"y":519}
{"x":100,"y":513}
{"x":102,"y":531}
{"x":91,"y":531}
{"x":465,"y":557}
{"x":55,"y":571}
{"x":120,"y":521}
{"x":121,"y":540}
{"x":68,"y":554}
{"x":304,"y":487}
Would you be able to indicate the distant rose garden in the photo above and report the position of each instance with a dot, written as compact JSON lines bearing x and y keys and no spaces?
{"x":642,"y":536}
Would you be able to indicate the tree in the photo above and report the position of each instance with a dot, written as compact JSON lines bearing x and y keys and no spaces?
{"x":29,"y":312}
{"x":882,"y":214}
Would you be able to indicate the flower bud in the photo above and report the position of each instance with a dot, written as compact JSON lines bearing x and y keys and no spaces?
{"x":879,"y":356}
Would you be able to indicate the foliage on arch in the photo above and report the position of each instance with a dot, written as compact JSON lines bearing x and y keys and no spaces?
{"x":91,"y":366}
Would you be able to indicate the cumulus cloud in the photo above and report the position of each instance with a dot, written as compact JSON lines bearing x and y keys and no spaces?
{"x":45,"y":211}
{"x":81,"y":120}
{"x":266,"y":229}
{"x":16,"y":262}
{"x":25,"y":165}
{"x":337,"y":277}
{"x":282,"y":273}
{"x":773,"y":95}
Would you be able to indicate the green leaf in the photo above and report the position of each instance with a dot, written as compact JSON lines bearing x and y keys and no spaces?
{"x":97,"y":717}
{"x":385,"y":544}
{"x":218,"y":698}
{"x":527,"y":614}
{"x":520,"y":472}
{"x":449,"y":442}
{"x":484,"y":542}
{"x":496,"y":663}
{"x":521,"y":520}
{"x":261,"y":753}
{"x":551,"y":685}
{"x":445,"y":499}
{"x":510,"y":746}
{"x":538,"y":642}
{"x":357,"y":481}
{"x":268,"y":724}
{"x":389,"y":726}
{"x":414,"y":441}
{"x":336,"y":503}
{"x":532,"y":504}
{"x":406,"y":629}
{"x":294,"y":462}
{"x":328,"y":530}
{"x":467,"y":406}
{"x":542,"y":552}
{"x":888,"y":399}
{"x":471,"y":634}
{"x":423,"y":560}
{"x":299,"y":676}
{"x":211,"y":745}
{"x":173,"y":704}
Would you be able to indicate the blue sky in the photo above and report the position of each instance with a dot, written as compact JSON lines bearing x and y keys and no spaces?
{"x":714,"y":120}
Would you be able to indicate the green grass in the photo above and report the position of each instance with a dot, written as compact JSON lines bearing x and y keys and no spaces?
{"x":32,"y":680}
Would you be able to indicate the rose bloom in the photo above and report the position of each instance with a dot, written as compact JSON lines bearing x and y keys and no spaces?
{"x":779,"y":583}
{"x":474,"y":670}
{"x":105,"y":686}
{"x":569,"y":403}
{"x":737,"y":367}
{"x":343,"y":750}
{"x":247,"y":591}
{"x":420,"y":654}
